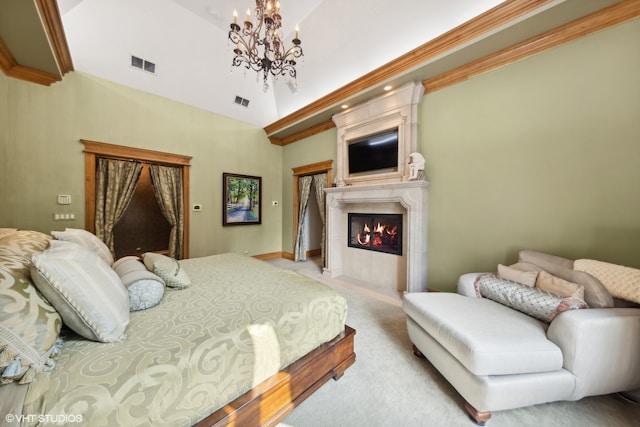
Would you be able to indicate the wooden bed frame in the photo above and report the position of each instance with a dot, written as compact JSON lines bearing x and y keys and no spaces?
{"x":272,"y":400}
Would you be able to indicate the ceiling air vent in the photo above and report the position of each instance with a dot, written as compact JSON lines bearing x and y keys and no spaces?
{"x":143,"y":64}
{"x":241,"y":101}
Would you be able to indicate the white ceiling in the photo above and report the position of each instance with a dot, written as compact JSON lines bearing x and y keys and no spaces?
{"x":187,"y":40}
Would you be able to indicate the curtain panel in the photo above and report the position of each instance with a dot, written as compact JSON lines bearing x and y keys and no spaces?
{"x":320,"y":181}
{"x":115,"y":184}
{"x":304,"y":189}
{"x":167,"y":186}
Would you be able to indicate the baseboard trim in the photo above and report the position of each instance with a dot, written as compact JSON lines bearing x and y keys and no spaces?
{"x":275,"y":255}
{"x":269,"y":256}
{"x":314,"y":252}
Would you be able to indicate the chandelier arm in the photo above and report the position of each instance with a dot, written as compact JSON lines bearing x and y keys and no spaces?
{"x":261,"y":47}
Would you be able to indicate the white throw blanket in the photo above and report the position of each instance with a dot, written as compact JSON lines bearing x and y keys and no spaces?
{"x":622,"y":282}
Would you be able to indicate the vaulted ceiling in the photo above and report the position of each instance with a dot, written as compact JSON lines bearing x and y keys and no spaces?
{"x":351,"y":48}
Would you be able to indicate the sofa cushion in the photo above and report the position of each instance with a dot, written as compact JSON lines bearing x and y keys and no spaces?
{"x":550,"y":263}
{"x":595,"y":294}
{"x":622,"y":282}
{"x":486,"y":337}
{"x":535,"y":302}
{"x":521,"y":276}
{"x":556,"y":285}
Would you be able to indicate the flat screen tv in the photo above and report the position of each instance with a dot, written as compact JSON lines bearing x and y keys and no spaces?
{"x":374,"y":153}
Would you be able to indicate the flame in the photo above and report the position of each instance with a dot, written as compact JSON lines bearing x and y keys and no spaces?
{"x":380,"y":235}
{"x":366,"y":239}
{"x":366,"y":235}
{"x":379,"y":228}
{"x":392,"y":231}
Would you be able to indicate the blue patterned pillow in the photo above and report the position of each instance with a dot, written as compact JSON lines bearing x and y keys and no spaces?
{"x":534,"y":302}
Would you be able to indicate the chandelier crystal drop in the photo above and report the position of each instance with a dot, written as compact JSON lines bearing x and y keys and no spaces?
{"x":260,"y":47}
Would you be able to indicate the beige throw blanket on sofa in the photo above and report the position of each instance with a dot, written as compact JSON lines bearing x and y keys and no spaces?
{"x":621,"y":282}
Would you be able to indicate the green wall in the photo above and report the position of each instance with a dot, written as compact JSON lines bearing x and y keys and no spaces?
{"x":541,"y":154}
{"x":42,"y":156}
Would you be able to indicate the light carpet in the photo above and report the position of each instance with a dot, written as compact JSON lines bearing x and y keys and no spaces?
{"x":389,"y":386}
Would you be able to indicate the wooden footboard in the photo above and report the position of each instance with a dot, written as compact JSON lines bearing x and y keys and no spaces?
{"x":272,"y":400}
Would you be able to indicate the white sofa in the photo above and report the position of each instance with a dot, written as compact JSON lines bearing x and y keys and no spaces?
{"x":499,"y":358}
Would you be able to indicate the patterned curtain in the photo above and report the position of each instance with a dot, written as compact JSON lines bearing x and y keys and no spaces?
{"x":115,"y":183}
{"x":304,"y":189}
{"x":320,"y":180}
{"x":167,"y":186}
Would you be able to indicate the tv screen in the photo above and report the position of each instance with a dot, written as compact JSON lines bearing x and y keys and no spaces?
{"x":373,"y":153}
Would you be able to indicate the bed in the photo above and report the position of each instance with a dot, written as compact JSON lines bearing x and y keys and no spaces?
{"x":242,"y":344}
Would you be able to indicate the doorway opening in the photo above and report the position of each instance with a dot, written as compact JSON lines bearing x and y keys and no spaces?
{"x":312,"y":222}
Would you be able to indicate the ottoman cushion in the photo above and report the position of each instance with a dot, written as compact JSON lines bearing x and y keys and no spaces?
{"x":485,"y":336}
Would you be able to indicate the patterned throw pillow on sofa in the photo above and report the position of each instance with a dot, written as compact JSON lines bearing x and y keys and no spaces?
{"x":534,"y":302}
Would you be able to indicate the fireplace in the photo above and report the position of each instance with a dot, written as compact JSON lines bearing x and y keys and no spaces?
{"x":378,"y":270}
{"x":376,"y":232}
{"x":384,"y":192}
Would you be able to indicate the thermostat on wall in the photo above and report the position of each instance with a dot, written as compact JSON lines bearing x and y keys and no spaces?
{"x":64,"y":199}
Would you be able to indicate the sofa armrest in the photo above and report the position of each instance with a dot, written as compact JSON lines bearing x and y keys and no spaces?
{"x":465,"y":284}
{"x":601,"y":347}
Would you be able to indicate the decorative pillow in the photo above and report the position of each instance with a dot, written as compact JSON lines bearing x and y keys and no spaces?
{"x":558,"y":286}
{"x":145,"y":288}
{"x":550,"y":263}
{"x":29,"y":328}
{"x":595,"y":294}
{"x":532,"y":301}
{"x":87,"y":293}
{"x":168,"y":269}
{"x":86,"y":239}
{"x":525,"y":277}
{"x":622,"y":282}
{"x":16,"y":250}
{"x":7,"y":231}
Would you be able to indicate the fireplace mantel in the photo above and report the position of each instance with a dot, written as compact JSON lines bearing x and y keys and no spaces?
{"x":411,"y":195}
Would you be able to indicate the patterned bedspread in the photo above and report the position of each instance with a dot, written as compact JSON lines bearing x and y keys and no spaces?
{"x":239,"y":322}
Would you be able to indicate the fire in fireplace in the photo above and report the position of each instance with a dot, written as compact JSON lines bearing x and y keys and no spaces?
{"x":376,"y":232}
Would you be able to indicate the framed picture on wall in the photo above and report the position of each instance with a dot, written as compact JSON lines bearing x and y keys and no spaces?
{"x":242,"y":199}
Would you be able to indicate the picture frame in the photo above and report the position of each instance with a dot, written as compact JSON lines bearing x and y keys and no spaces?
{"x":241,"y":199}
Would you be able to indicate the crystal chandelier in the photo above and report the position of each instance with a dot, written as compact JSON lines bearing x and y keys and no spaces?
{"x":261,"y":48}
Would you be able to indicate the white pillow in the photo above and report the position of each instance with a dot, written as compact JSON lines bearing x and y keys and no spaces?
{"x":145,"y":288}
{"x":168,"y":269}
{"x":86,"y":292}
{"x":86,"y":239}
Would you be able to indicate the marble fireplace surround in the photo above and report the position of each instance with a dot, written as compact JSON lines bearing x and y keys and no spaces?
{"x":384,"y":192}
{"x":409,"y":198}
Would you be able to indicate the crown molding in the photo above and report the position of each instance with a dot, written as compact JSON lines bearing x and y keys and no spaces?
{"x":49,"y":15}
{"x":478,"y":26}
{"x":613,"y":15}
{"x":619,"y":13}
